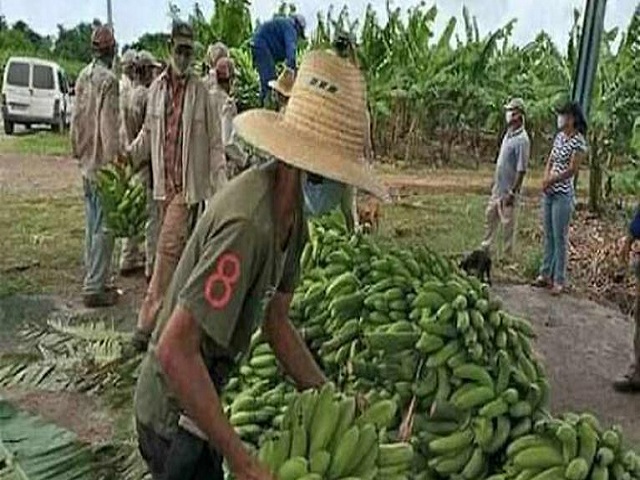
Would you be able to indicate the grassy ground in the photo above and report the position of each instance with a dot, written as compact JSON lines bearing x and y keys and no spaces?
{"x":36,"y":142}
{"x":43,"y":236}
{"x":42,"y":243}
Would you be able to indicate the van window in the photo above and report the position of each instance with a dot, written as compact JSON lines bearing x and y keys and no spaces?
{"x":43,"y":77}
{"x":18,"y":74}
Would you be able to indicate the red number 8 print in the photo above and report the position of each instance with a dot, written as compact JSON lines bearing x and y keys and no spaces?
{"x":226,"y":274}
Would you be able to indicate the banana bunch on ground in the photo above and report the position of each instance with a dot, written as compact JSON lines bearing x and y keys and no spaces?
{"x":572,"y":448}
{"x":123,"y":199}
{"x":323,"y":437}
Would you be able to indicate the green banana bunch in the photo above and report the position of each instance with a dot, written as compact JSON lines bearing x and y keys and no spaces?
{"x":123,"y":198}
{"x":323,"y":437}
{"x":574,"y":447}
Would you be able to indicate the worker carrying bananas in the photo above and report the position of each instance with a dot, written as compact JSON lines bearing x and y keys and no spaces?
{"x":239,"y":271}
{"x":274,"y":42}
{"x":630,"y":382}
{"x":133,"y":257}
{"x":94,"y":143}
{"x":181,"y":135}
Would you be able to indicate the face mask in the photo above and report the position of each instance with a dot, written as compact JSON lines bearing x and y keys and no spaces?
{"x":322,"y":197}
{"x":562,"y":121}
{"x":181,"y":63}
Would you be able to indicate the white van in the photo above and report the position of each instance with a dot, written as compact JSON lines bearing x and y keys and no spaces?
{"x":35,"y":91}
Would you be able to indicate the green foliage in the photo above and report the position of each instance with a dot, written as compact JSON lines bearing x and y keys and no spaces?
{"x":75,"y":43}
{"x":31,"y":449}
{"x":156,"y":43}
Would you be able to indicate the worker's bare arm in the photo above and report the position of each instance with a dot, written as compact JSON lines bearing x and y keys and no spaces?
{"x":288,"y":346}
{"x":178,"y":352}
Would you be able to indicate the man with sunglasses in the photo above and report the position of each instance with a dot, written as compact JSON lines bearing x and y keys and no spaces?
{"x":182,"y":135}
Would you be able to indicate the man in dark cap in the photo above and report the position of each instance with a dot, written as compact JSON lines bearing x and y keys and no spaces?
{"x":182,"y":136}
{"x":95,"y":142}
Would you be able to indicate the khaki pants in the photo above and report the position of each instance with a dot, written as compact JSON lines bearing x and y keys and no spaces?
{"x":498,"y":214}
{"x":172,"y":238}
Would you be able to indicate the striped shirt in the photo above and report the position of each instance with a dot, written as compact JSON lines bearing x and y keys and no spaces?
{"x":564,"y":147}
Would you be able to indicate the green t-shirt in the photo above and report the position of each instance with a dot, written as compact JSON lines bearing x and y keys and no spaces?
{"x":230,"y":268}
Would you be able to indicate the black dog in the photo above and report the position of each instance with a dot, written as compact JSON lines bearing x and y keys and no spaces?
{"x":478,"y":263}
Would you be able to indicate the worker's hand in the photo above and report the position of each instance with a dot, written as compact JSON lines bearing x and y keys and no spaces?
{"x":509,"y":199}
{"x":253,"y":470}
{"x":121,"y":161}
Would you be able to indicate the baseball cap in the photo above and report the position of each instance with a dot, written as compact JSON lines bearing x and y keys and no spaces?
{"x":182,"y":34}
{"x":102,"y":38}
{"x":515,"y":103}
{"x":146,"y":59}
{"x":301,"y":22}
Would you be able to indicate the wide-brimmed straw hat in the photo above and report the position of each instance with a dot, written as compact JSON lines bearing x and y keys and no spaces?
{"x":324,"y":127}
{"x":284,"y":84}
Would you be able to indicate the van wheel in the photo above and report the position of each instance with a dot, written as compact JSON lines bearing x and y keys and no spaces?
{"x":59,"y":125}
{"x":8,"y":127}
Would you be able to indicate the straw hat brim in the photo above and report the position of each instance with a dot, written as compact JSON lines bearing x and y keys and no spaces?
{"x":277,"y":86}
{"x":266,"y":131}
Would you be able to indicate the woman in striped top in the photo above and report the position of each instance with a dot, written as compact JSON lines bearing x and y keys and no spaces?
{"x":569,"y":147}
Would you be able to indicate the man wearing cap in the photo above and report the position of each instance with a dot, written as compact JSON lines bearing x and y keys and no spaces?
{"x":132,"y":257}
{"x":215,"y":52}
{"x":95,"y":142}
{"x":226,"y":106}
{"x":511,"y":168}
{"x":134,"y":118}
{"x":239,"y":270}
{"x":182,"y":136}
{"x":274,"y":42}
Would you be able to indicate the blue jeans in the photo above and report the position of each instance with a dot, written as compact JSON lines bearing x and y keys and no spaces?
{"x":98,"y":243}
{"x":556,"y":215}
{"x":266,"y":66}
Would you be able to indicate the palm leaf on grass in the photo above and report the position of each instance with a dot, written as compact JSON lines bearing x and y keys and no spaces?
{"x":71,"y":357}
{"x":31,"y":449}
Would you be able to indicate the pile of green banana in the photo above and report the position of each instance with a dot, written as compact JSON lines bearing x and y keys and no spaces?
{"x":407,"y":325}
{"x":123,"y":199}
{"x":324,"y":437}
{"x":257,"y":394}
{"x":572,"y":448}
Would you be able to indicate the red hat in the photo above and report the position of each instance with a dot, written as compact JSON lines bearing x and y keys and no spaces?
{"x":102,"y":38}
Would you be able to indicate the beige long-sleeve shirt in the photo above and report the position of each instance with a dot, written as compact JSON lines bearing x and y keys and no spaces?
{"x":202,"y":152}
{"x":95,"y":120}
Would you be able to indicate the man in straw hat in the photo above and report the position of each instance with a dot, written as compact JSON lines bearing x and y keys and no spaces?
{"x":241,"y":264}
{"x":282,"y":91}
{"x":95,"y":142}
{"x":182,"y":136}
{"x":273,"y":42}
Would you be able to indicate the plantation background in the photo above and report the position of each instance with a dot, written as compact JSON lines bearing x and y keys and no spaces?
{"x":435,"y":100}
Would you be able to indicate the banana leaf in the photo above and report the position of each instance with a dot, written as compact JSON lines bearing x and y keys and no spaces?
{"x":31,"y":449}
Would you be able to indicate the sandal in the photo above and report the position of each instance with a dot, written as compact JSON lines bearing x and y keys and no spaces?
{"x":541,"y":282}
